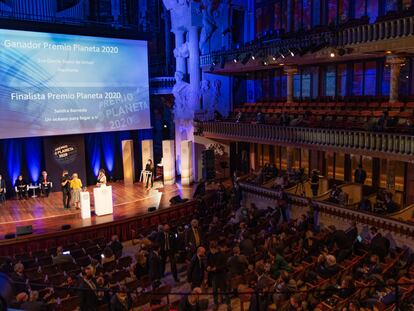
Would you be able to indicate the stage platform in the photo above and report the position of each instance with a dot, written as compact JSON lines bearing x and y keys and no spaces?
{"x":47,"y":215}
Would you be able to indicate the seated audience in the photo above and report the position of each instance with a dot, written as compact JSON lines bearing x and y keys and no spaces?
{"x":61,"y":258}
{"x":108,"y":255}
{"x":191,"y":302}
{"x":116,"y":246}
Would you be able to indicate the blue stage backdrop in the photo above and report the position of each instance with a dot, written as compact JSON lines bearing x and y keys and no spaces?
{"x":101,"y":150}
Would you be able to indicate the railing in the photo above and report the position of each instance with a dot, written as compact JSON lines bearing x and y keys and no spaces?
{"x":381,"y":30}
{"x":396,"y":145}
{"x":382,"y":222}
{"x":161,"y":85}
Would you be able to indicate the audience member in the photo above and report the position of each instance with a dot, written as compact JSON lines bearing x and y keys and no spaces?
{"x":116,"y":246}
{"x":155,"y":266}
{"x":191,"y":302}
{"x":197,"y":268}
{"x":60,"y":257}
{"x":193,"y":236}
{"x":87,"y":292}
{"x":166,"y":241}
{"x":360,"y":175}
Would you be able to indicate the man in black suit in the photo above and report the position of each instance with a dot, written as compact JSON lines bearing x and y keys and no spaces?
{"x":61,"y":258}
{"x":155,"y":266}
{"x":197,"y":268}
{"x":20,"y":186}
{"x":193,"y":236}
{"x":379,"y":245}
{"x":2,"y":190}
{"x":167,"y":242}
{"x":45,"y":184}
{"x":360,"y":175}
{"x":116,"y":246}
{"x":87,"y":294}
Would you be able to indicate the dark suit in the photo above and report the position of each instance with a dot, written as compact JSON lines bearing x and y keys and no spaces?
{"x":155,"y":268}
{"x":195,"y":273}
{"x":168,"y":249}
{"x":190,"y":238}
{"x":45,"y":186}
{"x":21,"y":188}
{"x":380,"y":246}
{"x":88,"y":298}
{"x":2,"y":191}
{"x":60,"y":259}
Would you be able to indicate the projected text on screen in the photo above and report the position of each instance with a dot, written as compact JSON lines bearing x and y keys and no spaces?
{"x":55,"y":84}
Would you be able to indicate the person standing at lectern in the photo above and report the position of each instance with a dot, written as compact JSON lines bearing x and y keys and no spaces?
{"x":101,"y":180}
{"x":20,"y":186}
{"x":2,"y":190}
{"x":65,"y":183}
{"x":45,"y":184}
{"x":149,"y":168}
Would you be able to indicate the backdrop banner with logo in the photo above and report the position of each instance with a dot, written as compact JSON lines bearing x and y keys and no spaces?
{"x":64,"y":153}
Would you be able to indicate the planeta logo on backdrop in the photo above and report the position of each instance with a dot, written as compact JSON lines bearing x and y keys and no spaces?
{"x":65,"y":154}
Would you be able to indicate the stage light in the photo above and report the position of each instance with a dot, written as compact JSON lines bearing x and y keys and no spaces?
{"x":253,"y":57}
{"x":281,"y":55}
{"x":388,"y":52}
{"x":265,"y":63}
{"x":332,"y":54}
{"x":236,"y":59}
{"x":245,"y":59}
{"x":291,"y":53}
{"x":165,"y":126}
{"x":274,"y":58}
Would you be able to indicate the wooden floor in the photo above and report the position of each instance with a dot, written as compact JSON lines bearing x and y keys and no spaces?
{"x":47,"y":214}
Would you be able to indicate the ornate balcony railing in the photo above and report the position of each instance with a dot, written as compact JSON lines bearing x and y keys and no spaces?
{"x":399,"y":227}
{"x":382,"y":30}
{"x":341,"y":36}
{"x":391,"y":145}
{"x":161,"y":85}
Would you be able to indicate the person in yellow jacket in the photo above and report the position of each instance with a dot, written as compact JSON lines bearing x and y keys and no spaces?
{"x":76,"y":186}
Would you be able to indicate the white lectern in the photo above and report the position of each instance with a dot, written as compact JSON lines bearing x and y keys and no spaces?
{"x":85,"y":204}
{"x":103,"y":200}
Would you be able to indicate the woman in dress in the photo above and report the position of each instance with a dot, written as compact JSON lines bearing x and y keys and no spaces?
{"x":76,"y":186}
{"x":101,"y":180}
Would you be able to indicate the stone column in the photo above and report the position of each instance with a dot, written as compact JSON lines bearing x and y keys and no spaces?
{"x":395,"y":63}
{"x":194,"y":66}
{"x":290,"y":71}
{"x":180,"y":63}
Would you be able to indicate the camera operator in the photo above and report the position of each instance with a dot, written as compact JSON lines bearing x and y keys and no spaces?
{"x":314,"y":182}
{"x":65,"y":184}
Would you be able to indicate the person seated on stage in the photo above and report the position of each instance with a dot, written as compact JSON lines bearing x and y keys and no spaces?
{"x":21,"y":188}
{"x":2,"y":189}
{"x":149,"y":168}
{"x":45,"y":184}
{"x":76,"y":187}
{"x":101,"y":180}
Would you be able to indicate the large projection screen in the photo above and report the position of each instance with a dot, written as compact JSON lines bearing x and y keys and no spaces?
{"x":56,"y":84}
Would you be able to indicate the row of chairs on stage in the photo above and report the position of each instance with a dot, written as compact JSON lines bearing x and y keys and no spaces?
{"x":22,"y":188}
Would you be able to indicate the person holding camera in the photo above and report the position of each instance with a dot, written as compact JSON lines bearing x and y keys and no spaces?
{"x":315,"y":182}
{"x":65,"y":184}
